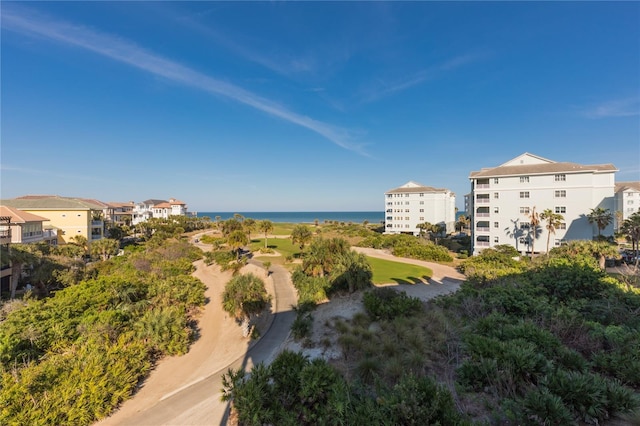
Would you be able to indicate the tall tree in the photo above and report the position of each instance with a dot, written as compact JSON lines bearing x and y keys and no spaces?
{"x":534,"y":223}
{"x":425,"y":229}
{"x":249,"y":225}
{"x":230,"y":225}
{"x":631,"y":229}
{"x":601,"y":218}
{"x":553,"y":221}
{"x":265,"y":226}
{"x":20,"y":255}
{"x":236,"y":240}
{"x":301,"y":235}
{"x":243,"y":297}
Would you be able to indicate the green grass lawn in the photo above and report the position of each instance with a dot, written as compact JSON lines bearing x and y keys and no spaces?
{"x":282,"y":246}
{"x":386,"y":271}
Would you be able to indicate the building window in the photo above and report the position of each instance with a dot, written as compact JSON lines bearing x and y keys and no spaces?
{"x":496,"y":195}
{"x":561,"y":209}
{"x":421,"y":203}
{"x":422,"y":194}
{"x":629,"y":201}
{"x":407,"y":226}
{"x":560,"y":178}
{"x":406,"y":210}
{"x":406,"y":195}
{"x":406,"y":218}
{"x":421,"y":210}
{"x":524,"y":179}
{"x":496,"y":210}
{"x":561,"y":193}
{"x":421,"y":219}
{"x":525,"y":210}
{"x":495,"y":180}
{"x":496,"y":240}
{"x":496,"y":224}
{"x":524,"y":194}
{"x":524,"y":225}
{"x":406,"y":203}
{"x":562,"y":225}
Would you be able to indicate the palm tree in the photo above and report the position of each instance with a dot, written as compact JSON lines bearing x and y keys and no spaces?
{"x":244,"y":296}
{"x":534,"y":223}
{"x":301,"y":235}
{"x":425,"y":228}
{"x":631,"y":229}
{"x":553,"y":221}
{"x":249,"y":225}
{"x":19,"y":256}
{"x":236,"y":240}
{"x":601,"y":217}
{"x":265,"y":226}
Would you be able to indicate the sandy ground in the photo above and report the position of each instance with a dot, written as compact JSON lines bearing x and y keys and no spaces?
{"x":322,"y":342}
{"x":220,"y":342}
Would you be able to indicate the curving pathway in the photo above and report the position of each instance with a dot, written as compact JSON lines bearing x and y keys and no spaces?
{"x":186,"y":390}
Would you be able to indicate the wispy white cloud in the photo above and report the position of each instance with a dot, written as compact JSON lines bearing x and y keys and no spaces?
{"x":384,"y":89}
{"x":627,"y":107}
{"x":27,"y":22}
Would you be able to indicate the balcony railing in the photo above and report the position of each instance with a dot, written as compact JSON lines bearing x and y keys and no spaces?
{"x":482,"y":229}
{"x":483,"y":200}
{"x":482,"y":243}
{"x":482,"y":214}
{"x":482,"y":185}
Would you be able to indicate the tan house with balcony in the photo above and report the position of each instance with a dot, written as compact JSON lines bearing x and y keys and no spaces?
{"x":69,"y":216}
{"x":27,"y":228}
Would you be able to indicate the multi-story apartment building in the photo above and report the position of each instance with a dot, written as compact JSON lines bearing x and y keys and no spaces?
{"x":504,"y":197}
{"x":158,"y":208}
{"x":412,"y":204}
{"x":69,"y":216}
{"x":119,"y":213}
{"x":28,"y":228}
{"x":627,"y":200}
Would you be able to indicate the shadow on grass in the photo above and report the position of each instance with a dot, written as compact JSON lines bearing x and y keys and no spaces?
{"x":412,"y":280}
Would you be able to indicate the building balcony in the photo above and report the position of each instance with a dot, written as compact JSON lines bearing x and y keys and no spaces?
{"x":482,"y":185}
{"x":483,"y":200}
{"x":483,"y":214}
{"x":483,"y":229}
{"x":482,"y":243}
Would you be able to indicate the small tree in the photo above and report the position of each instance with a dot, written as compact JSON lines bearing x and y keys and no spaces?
{"x":265,"y":226}
{"x":243,"y":297}
{"x":249,"y":226}
{"x":534,"y":223}
{"x":105,"y":248}
{"x":236,"y":240}
{"x":553,"y":221}
{"x":601,"y":218}
{"x":301,"y":235}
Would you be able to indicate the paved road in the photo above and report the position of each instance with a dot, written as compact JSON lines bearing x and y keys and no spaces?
{"x":198,"y":402}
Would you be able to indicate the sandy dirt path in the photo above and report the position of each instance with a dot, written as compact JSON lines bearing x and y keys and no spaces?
{"x":219,"y":344}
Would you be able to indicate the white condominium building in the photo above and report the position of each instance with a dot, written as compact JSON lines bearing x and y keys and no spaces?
{"x":503,"y":198}
{"x":627,"y":200}
{"x":412,"y":204}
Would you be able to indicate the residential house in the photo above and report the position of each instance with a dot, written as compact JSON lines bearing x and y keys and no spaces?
{"x":413,"y":203}
{"x":504,"y":197}
{"x":627,"y":200}
{"x":28,"y":228}
{"x":69,"y":216}
{"x":158,"y":208}
{"x":118,"y":213}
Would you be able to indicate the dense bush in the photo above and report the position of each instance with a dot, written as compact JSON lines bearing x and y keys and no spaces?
{"x":73,"y":357}
{"x":387,"y":303}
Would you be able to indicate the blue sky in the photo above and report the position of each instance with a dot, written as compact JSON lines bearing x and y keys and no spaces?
{"x":305,"y":106}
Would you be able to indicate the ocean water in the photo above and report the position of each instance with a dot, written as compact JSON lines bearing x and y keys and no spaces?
{"x":302,"y":217}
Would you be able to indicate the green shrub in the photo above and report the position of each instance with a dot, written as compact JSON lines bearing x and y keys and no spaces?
{"x":387,"y":303}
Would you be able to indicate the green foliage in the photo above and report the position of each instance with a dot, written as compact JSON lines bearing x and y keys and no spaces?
{"x":310,"y":289}
{"x":388,"y":303}
{"x":402,"y":245}
{"x":244,"y":296}
{"x":73,"y":357}
{"x":492,"y":263}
